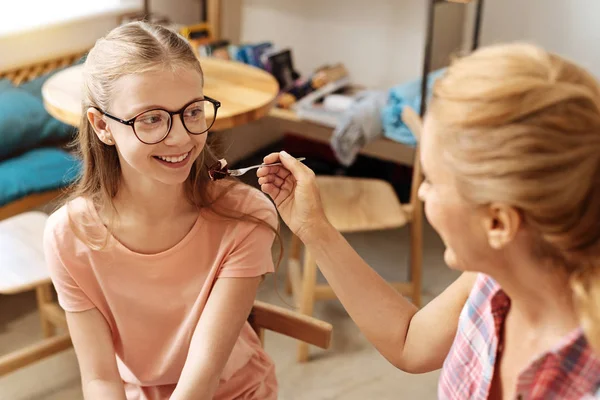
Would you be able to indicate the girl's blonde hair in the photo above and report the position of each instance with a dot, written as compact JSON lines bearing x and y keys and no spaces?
{"x":522,"y":127}
{"x":134,"y":48}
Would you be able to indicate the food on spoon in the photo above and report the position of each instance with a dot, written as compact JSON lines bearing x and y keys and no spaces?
{"x":218,"y":170}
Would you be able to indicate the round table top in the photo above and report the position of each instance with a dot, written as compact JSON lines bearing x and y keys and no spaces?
{"x":246,"y":93}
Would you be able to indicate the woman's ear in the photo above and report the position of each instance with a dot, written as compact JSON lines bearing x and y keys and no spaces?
{"x":100,"y":126}
{"x":501,"y":225}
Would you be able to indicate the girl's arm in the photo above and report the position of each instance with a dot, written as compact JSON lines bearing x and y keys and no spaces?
{"x":224,"y":315}
{"x":96,"y":356}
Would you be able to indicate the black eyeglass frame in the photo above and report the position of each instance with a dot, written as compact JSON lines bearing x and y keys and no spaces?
{"x":131,"y":122}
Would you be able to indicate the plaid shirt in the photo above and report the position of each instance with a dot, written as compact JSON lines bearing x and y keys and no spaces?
{"x":568,"y":371}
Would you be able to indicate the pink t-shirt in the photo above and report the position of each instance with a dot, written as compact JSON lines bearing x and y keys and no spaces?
{"x":152,"y":303}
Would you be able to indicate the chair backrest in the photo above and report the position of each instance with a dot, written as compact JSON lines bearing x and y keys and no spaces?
{"x":25,"y":73}
{"x":298,"y":326}
{"x":414,"y":123}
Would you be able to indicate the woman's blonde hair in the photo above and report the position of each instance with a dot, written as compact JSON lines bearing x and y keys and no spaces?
{"x":522,"y":126}
{"x":134,"y":48}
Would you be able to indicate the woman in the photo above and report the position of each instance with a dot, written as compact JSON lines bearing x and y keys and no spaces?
{"x":511,"y":156}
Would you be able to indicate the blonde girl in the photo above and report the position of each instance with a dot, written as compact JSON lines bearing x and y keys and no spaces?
{"x":156,"y":266}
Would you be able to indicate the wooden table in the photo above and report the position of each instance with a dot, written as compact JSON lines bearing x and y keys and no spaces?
{"x":246,"y":93}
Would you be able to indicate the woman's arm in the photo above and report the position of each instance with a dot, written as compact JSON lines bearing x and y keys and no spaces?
{"x":412,"y":340}
{"x":96,"y":356}
{"x":222,"y":319}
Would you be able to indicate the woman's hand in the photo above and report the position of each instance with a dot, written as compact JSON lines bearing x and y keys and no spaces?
{"x":293,"y":188}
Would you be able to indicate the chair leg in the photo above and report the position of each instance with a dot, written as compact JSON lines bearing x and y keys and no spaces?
{"x":307,"y":300}
{"x":44,"y":296}
{"x":288,"y":283}
{"x":416,"y":254}
{"x":295,"y":246}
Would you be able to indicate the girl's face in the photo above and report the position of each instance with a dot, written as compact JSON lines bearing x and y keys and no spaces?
{"x":462,"y":227}
{"x":168,"y":162}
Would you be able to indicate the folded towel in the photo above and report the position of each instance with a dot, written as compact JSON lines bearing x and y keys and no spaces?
{"x":406,"y":94}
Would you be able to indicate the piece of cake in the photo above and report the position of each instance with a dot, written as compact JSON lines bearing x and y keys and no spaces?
{"x":218,"y":170}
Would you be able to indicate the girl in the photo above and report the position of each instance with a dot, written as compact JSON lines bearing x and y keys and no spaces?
{"x":156,"y":266}
{"x":511,"y":155}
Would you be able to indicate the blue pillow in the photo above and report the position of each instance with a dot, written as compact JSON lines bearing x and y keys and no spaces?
{"x":5,"y":84}
{"x":25,"y":124}
{"x":36,"y":171}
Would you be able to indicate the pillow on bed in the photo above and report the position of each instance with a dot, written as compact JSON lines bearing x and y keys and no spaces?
{"x":36,"y":171}
{"x":5,"y":84}
{"x":25,"y":124}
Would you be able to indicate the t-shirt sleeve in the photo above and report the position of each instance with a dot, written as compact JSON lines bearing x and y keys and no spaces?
{"x":70,"y":295}
{"x":252,"y":256}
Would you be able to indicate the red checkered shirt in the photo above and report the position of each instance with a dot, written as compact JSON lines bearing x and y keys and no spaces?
{"x":568,"y":371}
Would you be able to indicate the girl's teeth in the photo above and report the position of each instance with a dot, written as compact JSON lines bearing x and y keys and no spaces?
{"x":174,"y":159}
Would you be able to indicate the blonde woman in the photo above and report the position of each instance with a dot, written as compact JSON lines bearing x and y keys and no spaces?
{"x":157,"y":266}
{"x":511,"y":156}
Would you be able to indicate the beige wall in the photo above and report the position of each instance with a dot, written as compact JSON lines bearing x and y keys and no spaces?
{"x":56,"y":38}
{"x":37,"y":45}
{"x":380,"y":42}
{"x":568,"y":27}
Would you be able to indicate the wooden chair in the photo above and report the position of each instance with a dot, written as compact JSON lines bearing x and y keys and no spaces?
{"x":19,"y":76}
{"x":360,"y":205}
{"x":22,"y":268}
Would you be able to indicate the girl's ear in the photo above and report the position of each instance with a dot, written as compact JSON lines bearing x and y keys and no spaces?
{"x":100,"y":126}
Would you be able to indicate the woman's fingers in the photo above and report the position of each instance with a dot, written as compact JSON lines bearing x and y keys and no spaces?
{"x":275,"y":170}
{"x":271,"y":158}
{"x":274,"y":179}
{"x":300,"y":171}
{"x":271,"y":190}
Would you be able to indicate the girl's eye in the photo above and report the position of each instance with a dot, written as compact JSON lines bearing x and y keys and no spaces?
{"x":193,"y":113}
{"x":151,"y":119}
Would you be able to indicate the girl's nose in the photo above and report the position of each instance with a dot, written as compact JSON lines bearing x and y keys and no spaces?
{"x":178,"y":134}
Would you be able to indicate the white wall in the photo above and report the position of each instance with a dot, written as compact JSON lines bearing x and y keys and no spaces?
{"x":380,"y":42}
{"x":38,"y":45}
{"x":568,"y":27}
{"x":50,"y":30}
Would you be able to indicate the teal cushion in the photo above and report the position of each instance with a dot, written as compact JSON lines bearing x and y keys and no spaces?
{"x":36,"y":171}
{"x":5,"y":84}
{"x":25,"y":124}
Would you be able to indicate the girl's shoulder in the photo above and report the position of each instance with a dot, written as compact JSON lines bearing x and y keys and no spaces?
{"x":67,"y":223}
{"x":241,"y":199}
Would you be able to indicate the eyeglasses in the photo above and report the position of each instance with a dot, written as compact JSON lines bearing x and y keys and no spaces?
{"x":153,"y":126}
